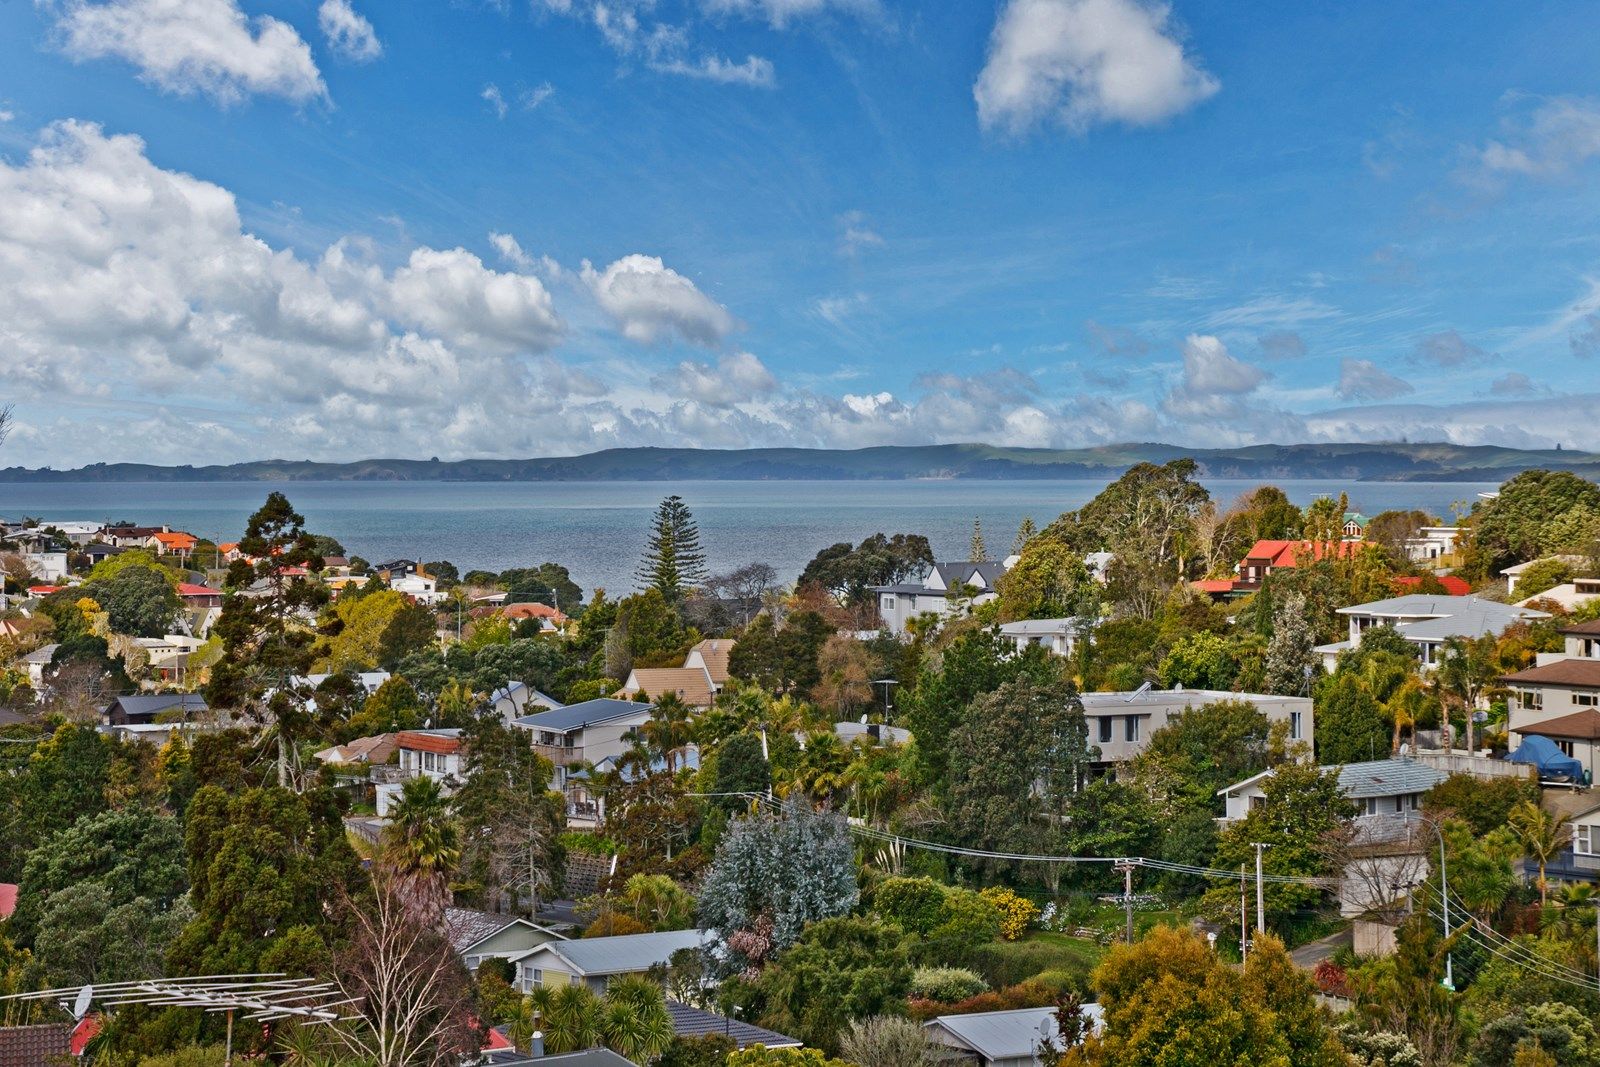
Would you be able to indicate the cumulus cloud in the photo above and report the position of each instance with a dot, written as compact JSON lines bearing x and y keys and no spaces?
{"x":193,"y":47}
{"x":1448,"y":349}
{"x":1552,"y":140}
{"x":1362,"y":379}
{"x":1214,"y":384}
{"x":734,"y":379}
{"x":348,"y":32}
{"x":453,"y":295}
{"x":1083,"y":63}
{"x":651,"y":302}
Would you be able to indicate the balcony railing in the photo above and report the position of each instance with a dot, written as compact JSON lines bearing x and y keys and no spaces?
{"x":561,"y":756}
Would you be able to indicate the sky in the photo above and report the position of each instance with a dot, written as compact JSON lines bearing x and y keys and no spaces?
{"x":337,"y":229}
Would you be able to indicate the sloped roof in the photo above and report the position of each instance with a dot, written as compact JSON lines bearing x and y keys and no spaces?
{"x":594,"y":1057}
{"x":692,"y":1022}
{"x":1574,"y":672}
{"x":586,"y":713}
{"x":1279,"y":553}
{"x":1387,"y":777}
{"x":1007,"y":1035}
{"x":466,"y":927}
{"x":714,"y":653}
{"x":134,"y":705}
{"x":1581,"y":725}
{"x":692,"y":685}
{"x":622,"y":954}
{"x":439,"y":741}
{"x":1453,"y":585}
{"x":960,"y":570}
{"x":1583,"y":629}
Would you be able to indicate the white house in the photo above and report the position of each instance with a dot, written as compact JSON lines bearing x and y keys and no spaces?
{"x":594,"y":961}
{"x":1514,"y":574}
{"x":1055,"y":635}
{"x":1392,"y":786}
{"x":1120,"y":724}
{"x":590,"y":732}
{"x":1427,"y":621}
{"x":47,"y":566}
{"x":36,"y":662}
{"x":947,"y":589}
{"x":1569,"y":595}
{"x":517,"y":699}
{"x":435,"y":754}
{"x":423,"y":588}
{"x":1432,"y":542}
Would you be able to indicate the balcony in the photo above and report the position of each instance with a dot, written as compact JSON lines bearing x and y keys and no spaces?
{"x":560,"y":755}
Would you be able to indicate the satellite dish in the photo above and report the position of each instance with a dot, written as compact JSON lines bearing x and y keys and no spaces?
{"x":80,"y":1007}
{"x":1405,"y":749}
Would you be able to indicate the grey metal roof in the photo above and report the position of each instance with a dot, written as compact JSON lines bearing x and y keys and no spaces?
{"x":622,"y":954}
{"x":588,"y":713}
{"x":1482,"y":617}
{"x":1007,"y":1035}
{"x":594,"y":1057}
{"x":1109,"y":702}
{"x":962,"y":569}
{"x":522,"y":695}
{"x":158,"y":702}
{"x":42,"y":654}
{"x":692,"y":1022}
{"x":1428,"y":605}
{"x":1024,"y":627}
{"x":1387,"y":778}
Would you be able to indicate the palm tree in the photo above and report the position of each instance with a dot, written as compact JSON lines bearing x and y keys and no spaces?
{"x":569,"y":1015}
{"x":422,"y":843}
{"x":1464,"y":674}
{"x":669,"y":731}
{"x":1542,"y":836}
{"x":634,"y":1022}
{"x":1404,"y":707}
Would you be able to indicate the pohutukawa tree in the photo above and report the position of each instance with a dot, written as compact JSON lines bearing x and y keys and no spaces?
{"x":267,"y":627}
{"x":673,"y":560}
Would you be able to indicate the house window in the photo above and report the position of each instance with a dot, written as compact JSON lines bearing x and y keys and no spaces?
{"x":1586,"y":700}
{"x":1105,"y":729}
{"x":575,"y":979}
{"x":1294,"y":726}
{"x":1130,"y":729}
{"x":1370,"y":806}
{"x":888,"y":603}
{"x":1533,"y":699}
{"x":1584,"y":839}
{"x":1565,"y":747}
{"x":1258,"y":801}
{"x":536,"y":977}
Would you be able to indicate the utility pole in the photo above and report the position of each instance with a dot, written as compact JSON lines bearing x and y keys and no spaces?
{"x":1126,"y":867}
{"x":1444,"y":897}
{"x":1244,"y":926}
{"x":1261,"y":899}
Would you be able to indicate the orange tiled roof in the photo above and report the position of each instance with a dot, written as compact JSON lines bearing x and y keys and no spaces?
{"x":1452,"y":585}
{"x":533,"y":611}
{"x":714,"y":653}
{"x":176,"y":539}
{"x":1291,"y":553}
{"x":421,"y":742}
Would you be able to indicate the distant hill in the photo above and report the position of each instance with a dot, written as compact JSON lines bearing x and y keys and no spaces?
{"x":1353,"y":462}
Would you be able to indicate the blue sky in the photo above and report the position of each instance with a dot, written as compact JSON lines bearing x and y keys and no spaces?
{"x":234,"y":229}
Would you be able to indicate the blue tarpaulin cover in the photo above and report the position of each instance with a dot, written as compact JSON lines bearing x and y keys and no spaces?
{"x":1551,"y":761}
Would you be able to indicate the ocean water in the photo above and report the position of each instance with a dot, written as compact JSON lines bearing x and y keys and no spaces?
{"x":597,"y":530}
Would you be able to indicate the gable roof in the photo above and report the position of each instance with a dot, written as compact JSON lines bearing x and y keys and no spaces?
{"x":1006,"y":1035}
{"x":586,"y":713}
{"x":1581,"y":725}
{"x":467,"y":928}
{"x":594,"y":957}
{"x":988,"y":570}
{"x":1396,"y":776}
{"x":692,"y":685}
{"x":1280,"y":553}
{"x":1583,"y":629}
{"x":693,"y":1022}
{"x":522,"y":696}
{"x":714,"y":654}
{"x":138,"y":705}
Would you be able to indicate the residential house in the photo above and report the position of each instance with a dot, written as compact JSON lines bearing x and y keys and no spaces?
{"x":36,"y":662}
{"x":395,"y":568}
{"x":549,"y":619}
{"x":432,"y":753}
{"x":1431,"y":543}
{"x":1387,"y":848}
{"x":1002,"y":1038}
{"x":1514,"y":574}
{"x":1583,"y":640}
{"x":592,"y":1057}
{"x":1055,"y":635}
{"x":872,"y":733}
{"x":692,"y":685}
{"x":1559,"y":700}
{"x":419,"y":586}
{"x":152,"y":708}
{"x":947,"y":589}
{"x":1576,"y":735}
{"x":166,"y":542}
{"x":1580,"y":860}
{"x":199,"y":596}
{"x":1568,"y":595}
{"x":1354,"y":526}
{"x":1120,"y":724}
{"x":229,"y":551}
{"x":595,"y":961}
{"x":712,"y":655}
{"x":78,"y":533}
{"x":1098,"y":565}
{"x":1266,"y":557}
{"x":369,"y":681}
{"x":126,"y":535}
{"x":517,"y":699}
{"x":694,"y":1022}
{"x":47,"y":566}
{"x":480,"y":935}
{"x":591,"y":733}
{"x":99,"y":552}
{"x":1427,"y":621}
{"x":376,"y":749}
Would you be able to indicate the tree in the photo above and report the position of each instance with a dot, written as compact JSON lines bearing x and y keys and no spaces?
{"x":846,"y":676}
{"x":422,"y":845}
{"x":86,"y":937}
{"x":1202,"y":751}
{"x":1542,"y":835}
{"x":890,"y":1041}
{"x":1018,"y":760}
{"x":374,"y":631}
{"x":841,"y":969}
{"x":778,"y":872}
{"x":1350,"y":725}
{"x":266,"y":639}
{"x":1467,"y":668}
{"x":511,"y":820}
{"x":1483,"y":804}
{"x":850,"y":571}
{"x":1171,"y":994}
{"x":741,"y":768}
{"x":1200,"y":660}
{"x":1026,"y":532}
{"x":673,"y":560}
{"x":1542,"y":577}
{"x":393,"y":706}
{"x":976,"y":549}
{"x":1290,"y":659}
{"x":781,"y":659}
{"x":140,"y":600}
{"x":6,"y":422}
{"x":1049,"y":582}
{"x":743,"y":590}
{"x":1520,"y":523}
{"x":411,"y":995}
{"x":548,"y":583}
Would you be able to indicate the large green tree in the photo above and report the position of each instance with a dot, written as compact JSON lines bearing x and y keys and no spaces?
{"x":850,"y":571}
{"x":673,"y":560}
{"x":140,"y":600}
{"x":510,"y":818}
{"x":842,"y":969}
{"x":1536,"y":513}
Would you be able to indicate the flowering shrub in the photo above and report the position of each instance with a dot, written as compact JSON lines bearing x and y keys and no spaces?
{"x":946,"y":983}
{"x":1017,"y":913}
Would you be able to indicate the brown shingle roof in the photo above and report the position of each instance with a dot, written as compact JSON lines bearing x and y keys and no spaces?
{"x":1577,"y":672}
{"x":1583,"y":629}
{"x":714,"y":653}
{"x":692,"y":685}
{"x":1581,"y":725}
{"x":30,"y":1046}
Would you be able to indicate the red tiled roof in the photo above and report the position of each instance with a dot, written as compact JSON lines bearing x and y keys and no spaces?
{"x":190,"y":589}
{"x":1214,"y":585}
{"x":29,"y":1046}
{"x":8,"y":899}
{"x":1289,"y":553}
{"x":44,"y":590}
{"x":227,"y":546}
{"x":532,"y":611}
{"x":420,"y":742}
{"x":1452,"y":585}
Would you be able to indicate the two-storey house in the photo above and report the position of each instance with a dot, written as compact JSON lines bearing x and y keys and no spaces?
{"x":947,"y":589}
{"x":1120,"y":724}
{"x":584,"y":735}
{"x":435,"y":754}
{"x":1427,"y":621}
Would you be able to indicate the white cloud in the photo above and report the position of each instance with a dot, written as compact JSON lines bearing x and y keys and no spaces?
{"x":628,"y":29}
{"x":651,"y":302}
{"x":1558,"y":136}
{"x":510,"y":251}
{"x":754,"y":71}
{"x":1570,"y":421}
{"x":856,"y":234}
{"x":454,"y":296}
{"x":530,"y":99}
{"x":6,"y":114}
{"x":1448,"y":349}
{"x":1086,"y":62}
{"x":1362,"y":379}
{"x":492,"y":96}
{"x":834,"y":310}
{"x":348,"y":32}
{"x":190,"y":47}
{"x":779,"y":13}
{"x":735,"y":378}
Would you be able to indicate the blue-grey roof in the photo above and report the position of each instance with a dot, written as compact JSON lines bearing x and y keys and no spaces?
{"x":594,"y":1057}
{"x":154,"y":703}
{"x":1007,"y":1035}
{"x":692,"y":1022}
{"x":1387,"y":778}
{"x":622,"y":954}
{"x":588,"y":713}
